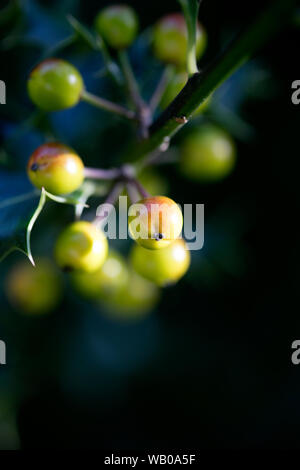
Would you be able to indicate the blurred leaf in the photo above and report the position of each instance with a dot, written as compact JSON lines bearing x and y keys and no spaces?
{"x":11,"y":24}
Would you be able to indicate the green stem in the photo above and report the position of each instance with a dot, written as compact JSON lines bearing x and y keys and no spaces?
{"x":190,"y":10}
{"x":107,"y":105}
{"x":111,"y":66}
{"x":201,"y":85}
{"x":161,"y":87}
{"x":142,"y":110}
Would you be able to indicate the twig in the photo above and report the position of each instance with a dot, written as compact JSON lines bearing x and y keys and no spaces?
{"x":139,"y":187}
{"x":132,"y":193}
{"x":101,"y":174}
{"x":142,"y":110}
{"x":161,"y":88}
{"x":107,"y":105}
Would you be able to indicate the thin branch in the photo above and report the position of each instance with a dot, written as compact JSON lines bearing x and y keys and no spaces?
{"x":140,"y":188}
{"x":107,"y":105}
{"x":201,"y":85}
{"x":101,"y":174}
{"x":132,"y":193}
{"x":142,"y":110}
{"x":95,"y":42}
{"x":161,"y":88}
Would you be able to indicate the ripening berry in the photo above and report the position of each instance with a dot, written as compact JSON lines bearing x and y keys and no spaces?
{"x":118,"y":25}
{"x":54,"y":85}
{"x":34,"y":290}
{"x":154,"y":222}
{"x":170,"y":40}
{"x":162,"y":267}
{"x":81,"y":246}
{"x":207,"y":154}
{"x":105,"y":282}
{"x":55,"y":167}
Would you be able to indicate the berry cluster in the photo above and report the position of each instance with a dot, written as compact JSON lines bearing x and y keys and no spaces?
{"x":159,"y":257}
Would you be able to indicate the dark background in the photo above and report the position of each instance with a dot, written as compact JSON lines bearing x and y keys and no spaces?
{"x":211,"y":367}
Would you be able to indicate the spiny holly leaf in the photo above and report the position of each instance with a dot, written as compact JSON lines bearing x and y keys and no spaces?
{"x":20,"y":211}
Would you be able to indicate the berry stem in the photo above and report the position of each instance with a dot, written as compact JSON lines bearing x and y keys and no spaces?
{"x":111,"y":67}
{"x":101,"y":174}
{"x":111,"y":199}
{"x":140,"y":188}
{"x":142,"y":110}
{"x":107,"y":105}
{"x":161,"y":88}
{"x":132,"y":193}
{"x":97,"y":44}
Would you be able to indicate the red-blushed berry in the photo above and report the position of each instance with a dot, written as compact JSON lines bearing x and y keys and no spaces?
{"x":155,"y":221}
{"x":55,"y":167}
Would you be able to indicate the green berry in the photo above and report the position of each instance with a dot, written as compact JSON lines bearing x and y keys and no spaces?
{"x":162,"y":267}
{"x":55,"y":167}
{"x":55,"y":85}
{"x":137,"y":298}
{"x":170,"y":40}
{"x":207,"y":154}
{"x":154,"y":222}
{"x":34,"y":290}
{"x":81,"y":246}
{"x":118,"y":25}
{"x":105,"y":282}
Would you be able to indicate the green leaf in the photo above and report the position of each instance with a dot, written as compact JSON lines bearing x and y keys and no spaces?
{"x":31,"y":223}
{"x":17,"y":219}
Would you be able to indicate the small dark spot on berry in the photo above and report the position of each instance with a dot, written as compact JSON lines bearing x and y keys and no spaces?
{"x":34,"y":167}
{"x":159,"y":236}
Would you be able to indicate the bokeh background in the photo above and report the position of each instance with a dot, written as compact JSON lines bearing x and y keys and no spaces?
{"x":209,"y":366}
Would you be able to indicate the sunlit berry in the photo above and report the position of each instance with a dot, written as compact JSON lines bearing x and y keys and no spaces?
{"x":81,"y":246}
{"x":55,"y":167}
{"x":162,"y":267}
{"x":154,"y":222}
